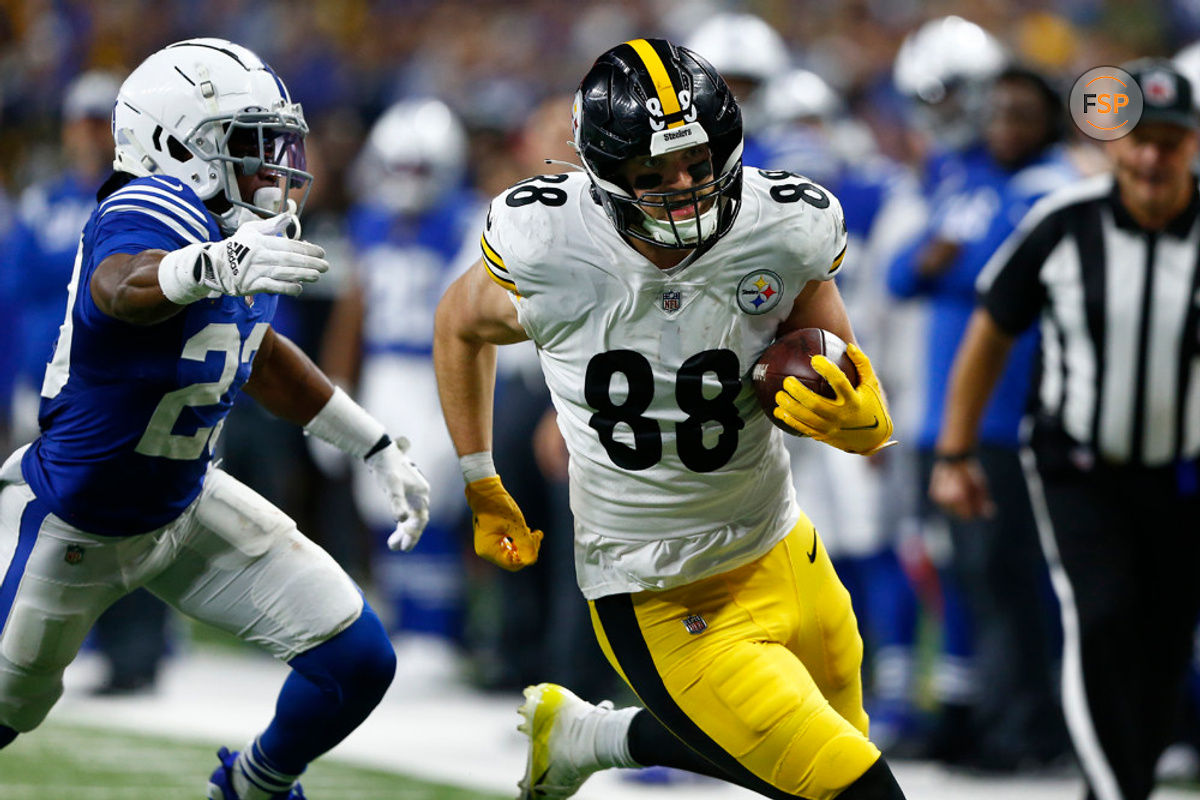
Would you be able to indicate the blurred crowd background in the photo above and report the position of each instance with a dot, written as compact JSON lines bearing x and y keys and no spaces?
{"x":420,"y":111}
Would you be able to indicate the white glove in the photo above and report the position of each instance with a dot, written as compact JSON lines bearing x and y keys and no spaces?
{"x":257,"y":258}
{"x":407,"y":491}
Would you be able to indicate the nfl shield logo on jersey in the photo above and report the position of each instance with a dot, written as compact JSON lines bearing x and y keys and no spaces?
{"x":672,"y":299}
{"x":74,"y":554}
{"x":695,"y":624}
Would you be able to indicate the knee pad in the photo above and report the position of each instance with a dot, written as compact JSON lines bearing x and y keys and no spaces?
{"x":27,"y":695}
{"x":355,"y":666}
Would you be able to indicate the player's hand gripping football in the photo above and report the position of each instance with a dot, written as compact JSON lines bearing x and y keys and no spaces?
{"x":258,"y":258}
{"x":407,"y":491}
{"x":501,"y":533}
{"x":856,"y":420}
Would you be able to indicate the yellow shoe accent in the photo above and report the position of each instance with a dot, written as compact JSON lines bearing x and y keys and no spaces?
{"x":556,"y":765}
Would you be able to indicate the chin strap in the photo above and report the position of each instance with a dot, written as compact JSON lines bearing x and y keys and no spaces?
{"x":239,"y":215}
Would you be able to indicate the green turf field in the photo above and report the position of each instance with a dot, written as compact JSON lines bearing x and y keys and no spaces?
{"x":68,"y":762}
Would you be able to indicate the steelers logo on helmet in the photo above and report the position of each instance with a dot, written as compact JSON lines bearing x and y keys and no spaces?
{"x":647,"y":98}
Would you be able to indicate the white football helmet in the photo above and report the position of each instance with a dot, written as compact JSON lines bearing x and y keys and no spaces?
{"x":943,"y":52}
{"x":943,"y":66}
{"x":415,"y":153}
{"x":743,"y":48}
{"x":802,"y":113}
{"x":1187,"y":61}
{"x":740,"y":46}
{"x":178,"y":112}
{"x":799,"y":94}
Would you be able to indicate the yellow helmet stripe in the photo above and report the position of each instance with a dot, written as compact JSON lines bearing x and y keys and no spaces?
{"x":667,"y":94}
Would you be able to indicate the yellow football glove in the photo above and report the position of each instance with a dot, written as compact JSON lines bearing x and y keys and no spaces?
{"x":856,"y":421}
{"x":501,"y":534}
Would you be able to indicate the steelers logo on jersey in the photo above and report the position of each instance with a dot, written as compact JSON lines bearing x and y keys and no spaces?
{"x":759,"y":292}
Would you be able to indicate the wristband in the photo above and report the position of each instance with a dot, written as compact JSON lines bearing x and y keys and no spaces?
{"x":477,"y":466}
{"x":179,"y":275}
{"x":347,"y":426}
{"x":956,"y":457}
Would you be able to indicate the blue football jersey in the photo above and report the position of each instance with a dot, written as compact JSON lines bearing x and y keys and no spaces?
{"x":130,"y":414}
{"x":405,"y":264}
{"x":38,"y":258}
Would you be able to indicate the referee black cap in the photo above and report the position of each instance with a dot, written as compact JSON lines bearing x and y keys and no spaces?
{"x":1167,"y":95}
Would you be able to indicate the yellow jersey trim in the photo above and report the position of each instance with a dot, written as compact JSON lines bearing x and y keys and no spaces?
{"x":494,"y":264}
{"x":837,"y":262}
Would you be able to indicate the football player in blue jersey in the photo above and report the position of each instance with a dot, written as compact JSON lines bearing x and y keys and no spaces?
{"x":168,"y":316}
{"x":748,"y":53}
{"x":996,"y":595}
{"x":412,"y":214}
{"x":35,"y":264}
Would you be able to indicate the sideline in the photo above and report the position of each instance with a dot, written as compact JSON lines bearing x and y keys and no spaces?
{"x":432,"y":726}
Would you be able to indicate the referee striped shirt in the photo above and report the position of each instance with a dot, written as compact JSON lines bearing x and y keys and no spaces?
{"x":1120,"y":366}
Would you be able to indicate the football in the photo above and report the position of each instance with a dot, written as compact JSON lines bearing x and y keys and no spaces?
{"x":792,"y":355}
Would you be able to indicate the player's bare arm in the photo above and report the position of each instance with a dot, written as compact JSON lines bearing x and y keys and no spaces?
{"x":957,"y":482}
{"x":474,"y":316}
{"x":342,"y":344}
{"x":819,"y":305}
{"x":286,"y":382}
{"x":126,"y":287}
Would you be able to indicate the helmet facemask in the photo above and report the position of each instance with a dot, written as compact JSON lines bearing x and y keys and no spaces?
{"x":706,"y":201}
{"x":250,"y":142}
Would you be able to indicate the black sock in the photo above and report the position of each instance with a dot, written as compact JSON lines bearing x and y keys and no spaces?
{"x":652,"y":745}
{"x":877,"y":783}
{"x":7,"y":735}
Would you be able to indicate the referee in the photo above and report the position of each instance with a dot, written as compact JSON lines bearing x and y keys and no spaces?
{"x":1109,"y":265}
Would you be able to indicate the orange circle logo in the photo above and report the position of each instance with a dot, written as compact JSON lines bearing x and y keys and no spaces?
{"x":1106,"y":103}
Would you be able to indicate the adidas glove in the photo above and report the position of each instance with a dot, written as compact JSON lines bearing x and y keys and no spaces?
{"x":856,"y":421}
{"x":501,"y":534}
{"x":407,"y":492}
{"x":258,"y":258}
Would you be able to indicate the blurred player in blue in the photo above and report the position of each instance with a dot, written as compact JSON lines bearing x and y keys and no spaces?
{"x":167,"y":317}
{"x":41,"y":250}
{"x":37,"y":262}
{"x":748,"y":53}
{"x":807,"y":131}
{"x":998,"y":129}
{"x":412,"y":215}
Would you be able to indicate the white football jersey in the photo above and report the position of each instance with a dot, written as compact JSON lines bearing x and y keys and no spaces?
{"x":675,"y":472}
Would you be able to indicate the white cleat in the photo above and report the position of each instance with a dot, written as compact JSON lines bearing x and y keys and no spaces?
{"x":561,"y":754}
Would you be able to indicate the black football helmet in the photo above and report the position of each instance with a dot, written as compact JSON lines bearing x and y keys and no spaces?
{"x":645,"y":98}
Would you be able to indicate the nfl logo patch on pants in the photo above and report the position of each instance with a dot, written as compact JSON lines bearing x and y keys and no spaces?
{"x":695,"y":624}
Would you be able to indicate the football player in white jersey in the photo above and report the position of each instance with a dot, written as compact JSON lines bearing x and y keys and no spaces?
{"x":650,"y":283}
{"x":167,"y":318}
